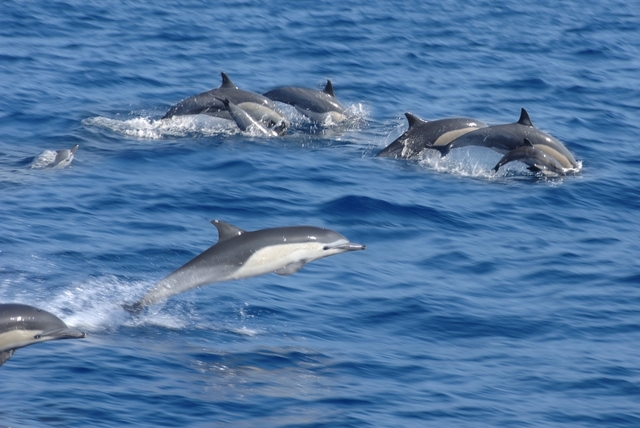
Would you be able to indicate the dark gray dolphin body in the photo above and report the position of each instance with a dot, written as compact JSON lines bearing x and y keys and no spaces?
{"x":535,"y":158}
{"x":240,"y":254}
{"x":248,"y":124}
{"x":24,"y":325}
{"x":259,"y":107}
{"x":317,"y":105}
{"x":505,"y":138}
{"x":425,"y":134}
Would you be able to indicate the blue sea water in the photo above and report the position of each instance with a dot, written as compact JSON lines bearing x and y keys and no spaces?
{"x":482,"y":299}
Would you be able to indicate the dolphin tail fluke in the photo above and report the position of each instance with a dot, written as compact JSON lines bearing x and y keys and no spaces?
{"x":134,"y":308}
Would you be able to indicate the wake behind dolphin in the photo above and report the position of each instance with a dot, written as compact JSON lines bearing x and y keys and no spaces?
{"x":240,"y":254}
{"x":24,"y":325}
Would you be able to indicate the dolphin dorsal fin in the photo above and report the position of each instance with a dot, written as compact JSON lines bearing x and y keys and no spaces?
{"x":328,"y":89}
{"x":413,"y":119}
{"x":524,"y":118}
{"x":226,"y":231}
{"x":528,"y":142}
{"x":227,"y":83}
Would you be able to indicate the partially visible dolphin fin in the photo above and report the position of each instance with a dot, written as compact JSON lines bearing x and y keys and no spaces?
{"x":291,"y":268}
{"x":4,"y":356}
{"x":413,"y":119}
{"x":133,"y":309}
{"x":227,"y":83}
{"x":524,"y":118}
{"x":528,"y":142}
{"x":329,"y":88}
{"x":226,"y":230}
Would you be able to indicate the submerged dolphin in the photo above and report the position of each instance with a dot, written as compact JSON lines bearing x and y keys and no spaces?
{"x":24,"y":325}
{"x":240,"y":254}
{"x":259,"y":107}
{"x":424,"y":134}
{"x":248,"y":124}
{"x":535,"y":158}
{"x":320,"y":106}
{"x":54,"y":159}
{"x":505,"y":138}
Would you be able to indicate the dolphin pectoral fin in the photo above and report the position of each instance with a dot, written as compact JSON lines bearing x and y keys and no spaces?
{"x":291,"y":268}
{"x":534,"y":168}
{"x":4,"y":356}
{"x":226,"y":230}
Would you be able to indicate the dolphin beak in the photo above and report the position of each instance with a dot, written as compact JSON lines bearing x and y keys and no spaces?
{"x":347,"y":246}
{"x":64,"y":333}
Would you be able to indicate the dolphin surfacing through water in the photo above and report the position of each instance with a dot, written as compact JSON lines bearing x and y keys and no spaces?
{"x":508,"y":137}
{"x":536,"y":159}
{"x":240,"y":254}
{"x":211,"y":103}
{"x":320,"y":106}
{"x":424,"y":134}
{"x":24,"y":325}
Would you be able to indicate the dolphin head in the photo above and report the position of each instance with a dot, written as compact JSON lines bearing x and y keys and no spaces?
{"x":333,"y":242}
{"x":23,"y":325}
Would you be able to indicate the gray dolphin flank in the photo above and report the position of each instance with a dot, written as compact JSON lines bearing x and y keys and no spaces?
{"x":535,"y":158}
{"x":505,"y":138}
{"x":424,"y":134}
{"x":210,"y":103}
{"x":320,"y":106}
{"x":24,"y":325}
{"x":240,"y":254}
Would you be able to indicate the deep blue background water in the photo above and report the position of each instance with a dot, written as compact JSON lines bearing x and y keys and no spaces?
{"x":481,"y":300}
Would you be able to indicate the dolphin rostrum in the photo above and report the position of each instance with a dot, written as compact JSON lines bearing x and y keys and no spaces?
{"x":505,"y":138}
{"x":24,"y":325}
{"x":259,"y":107}
{"x":54,"y":159}
{"x":535,"y":158}
{"x":240,"y":254}
{"x":424,"y":134}
{"x":320,"y":106}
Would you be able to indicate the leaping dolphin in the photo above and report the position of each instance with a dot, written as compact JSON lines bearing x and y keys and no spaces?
{"x":240,"y":254}
{"x":320,"y":106}
{"x":505,"y":138}
{"x":210,"y":103}
{"x":24,"y":325}
{"x":424,"y":134}
{"x":54,"y":159}
{"x":248,"y":124}
{"x":535,"y":158}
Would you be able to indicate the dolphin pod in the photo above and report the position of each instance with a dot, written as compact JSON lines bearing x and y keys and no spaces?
{"x":240,"y":254}
{"x":260,"y":108}
{"x":24,"y":325}
{"x":505,"y":138}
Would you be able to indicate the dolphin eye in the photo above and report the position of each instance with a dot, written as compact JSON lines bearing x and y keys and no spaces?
{"x":37,"y":336}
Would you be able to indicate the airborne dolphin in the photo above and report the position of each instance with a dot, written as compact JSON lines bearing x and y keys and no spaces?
{"x":240,"y":254}
{"x":505,"y":138}
{"x":535,"y":158}
{"x":247,"y":123}
{"x":54,"y":159}
{"x":424,"y":134}
{"x":24,"y":325}
{"x":210,"y":103}
{"x":317,"y":105}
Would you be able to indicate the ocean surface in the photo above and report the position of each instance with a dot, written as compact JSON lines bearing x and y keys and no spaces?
{"x":482,"y":299}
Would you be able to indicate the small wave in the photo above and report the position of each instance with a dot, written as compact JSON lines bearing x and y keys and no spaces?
{"x":157,"y":129}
